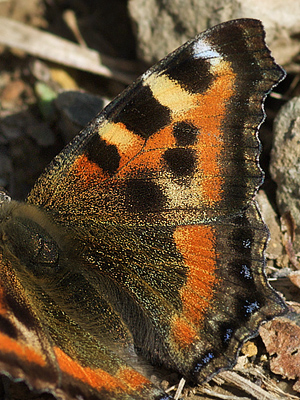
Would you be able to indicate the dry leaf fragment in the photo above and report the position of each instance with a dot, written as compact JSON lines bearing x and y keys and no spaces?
{"x":281,"y":337}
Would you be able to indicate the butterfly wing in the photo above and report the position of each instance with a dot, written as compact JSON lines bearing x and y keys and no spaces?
{"x":178,"y":145}
{"x":159,"y":244}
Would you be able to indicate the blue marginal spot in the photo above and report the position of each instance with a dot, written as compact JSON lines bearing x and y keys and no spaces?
{"x":251,"y":307}
{"x":246,"y":243}
{"x":246,"y":272}
{"x":228,"y":334}
{"x":205,"y":360}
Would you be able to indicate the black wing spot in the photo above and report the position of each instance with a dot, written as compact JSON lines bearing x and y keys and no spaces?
{"x":199,"y":78}
{"x":185,"y":133}
{"x":141,"y":112}
{"x":144,"y":195}
{"x":180,"y":161}
{"x":103,"y":154}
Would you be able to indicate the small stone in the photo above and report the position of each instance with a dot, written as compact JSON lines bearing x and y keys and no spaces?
{"x":285,"y":161}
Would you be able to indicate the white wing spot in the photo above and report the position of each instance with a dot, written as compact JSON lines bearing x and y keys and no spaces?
{"x":202,"y":49}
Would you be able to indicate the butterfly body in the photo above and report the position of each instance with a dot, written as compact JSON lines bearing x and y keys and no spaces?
{"x":142,"y":236}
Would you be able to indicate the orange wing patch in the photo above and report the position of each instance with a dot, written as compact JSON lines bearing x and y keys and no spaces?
{"x":126,"y":380}
{"x":97,"y":379}
{"x":183,"y":334}
{"x":197,"y":245}
{"x":208,"y":118}
{"x":88,"y":172}
{"x":24,"y":352}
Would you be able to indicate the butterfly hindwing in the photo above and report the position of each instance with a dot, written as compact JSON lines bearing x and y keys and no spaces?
{"x":40,"y":343}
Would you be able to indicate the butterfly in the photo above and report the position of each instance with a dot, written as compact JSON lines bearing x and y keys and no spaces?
{"x":142,"y":238}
